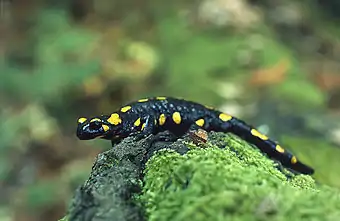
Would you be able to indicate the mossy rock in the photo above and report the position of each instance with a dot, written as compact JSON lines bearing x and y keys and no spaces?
{"x":235,"y":182}
{"x":223,"y":179}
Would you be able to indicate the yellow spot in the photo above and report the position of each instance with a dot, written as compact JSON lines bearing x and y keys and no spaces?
{"x":82,"y":120}
{"x":176,"y":117}
{"x":200,"y":122}
{"x":143,"y":125}
{"x":225,"y":117}
{"x":95,"y":119}
{"x":209,"y":107}
{"x":293,"y":160}
{"x":105,"y":127}
{"x":160,"y":98}
{"x":258,"y":134}
{"x":279,"y":149}
{"x":143,"y":100}
{"x":137,"y":122}
{"x":114,"y":119}
{"x":125,"y":109}
{"x":162,"y":119}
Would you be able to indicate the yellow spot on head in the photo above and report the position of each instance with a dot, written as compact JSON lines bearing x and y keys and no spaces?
{"x":114,"y":119}
{"x":125,"y":109}
{"x":200,"y":122}
{"x":279,"y":149}
{"x":225,"y":117}
{"x":143,"y":100}
{"x":137,"y":122}
{"x":143,"y":126}
{"x":95,"y":119}
{"x":160,"y":98}
{"x":258,"y":134}
{"x":293,"y":160}
{"x":82,"y":120}
{"x":176,"y":117}
{"x":105,"y":127}
{"x":162,"y":119}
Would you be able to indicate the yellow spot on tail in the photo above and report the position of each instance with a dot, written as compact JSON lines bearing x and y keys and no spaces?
{"x":125,"y":109}
{"x":137,"y":122}
{"x":95,"y":119}
{"x":162,"y":119}
{"x":143,"y":100}
{"x":200,"y":122}
{"x":160,"y":98}
{"x":143,"y":126}
{"x":82,"y":120}
{"x":258,"y":134}
{"x":105,"y":127}
{"x":279,"y":149}
{"x":176,"y":117}
{"x":225,"y":117}
{"x":114,"y":119}
{"x":293,"y":160}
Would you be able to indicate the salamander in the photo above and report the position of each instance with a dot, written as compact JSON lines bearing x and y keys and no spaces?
{"x":153,"y":115}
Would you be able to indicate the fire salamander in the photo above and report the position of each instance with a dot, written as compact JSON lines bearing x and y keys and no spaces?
{"x":153,"y":115}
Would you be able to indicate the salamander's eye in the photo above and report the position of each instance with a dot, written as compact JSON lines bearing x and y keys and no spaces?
{"x":95,"y":125}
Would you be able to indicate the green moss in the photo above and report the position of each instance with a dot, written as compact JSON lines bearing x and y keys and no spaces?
{"x":64,"y":219}
{"x":233,"y":183}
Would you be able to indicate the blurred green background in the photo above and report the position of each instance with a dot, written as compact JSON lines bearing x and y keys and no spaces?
{"x":272,"y":63}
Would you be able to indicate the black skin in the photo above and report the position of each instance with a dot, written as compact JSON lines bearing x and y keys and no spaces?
{"x":150,"y":111}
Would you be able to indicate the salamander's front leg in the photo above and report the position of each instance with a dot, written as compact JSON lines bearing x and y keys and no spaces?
{"x":143,"y":127}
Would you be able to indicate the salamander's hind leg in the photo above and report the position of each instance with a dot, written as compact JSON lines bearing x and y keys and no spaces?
{"x":166,"y":136}
{"x":203,"y":123}
{"x":194,"y":127}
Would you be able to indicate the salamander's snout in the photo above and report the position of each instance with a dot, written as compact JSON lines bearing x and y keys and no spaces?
{"x":90,"y":129}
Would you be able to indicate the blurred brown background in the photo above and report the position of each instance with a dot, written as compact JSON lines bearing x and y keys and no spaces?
{"x":274,"y":64}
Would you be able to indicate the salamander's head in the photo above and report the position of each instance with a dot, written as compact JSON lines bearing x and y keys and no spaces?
{"x":104,"y":127}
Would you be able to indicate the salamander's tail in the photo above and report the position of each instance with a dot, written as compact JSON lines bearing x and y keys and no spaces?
{"x":261,"y":141}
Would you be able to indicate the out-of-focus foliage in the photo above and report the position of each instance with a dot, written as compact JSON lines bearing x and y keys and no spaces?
{"x":272,"y":63}
{"x":59,"y":51}
{"x":309,"y":150}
